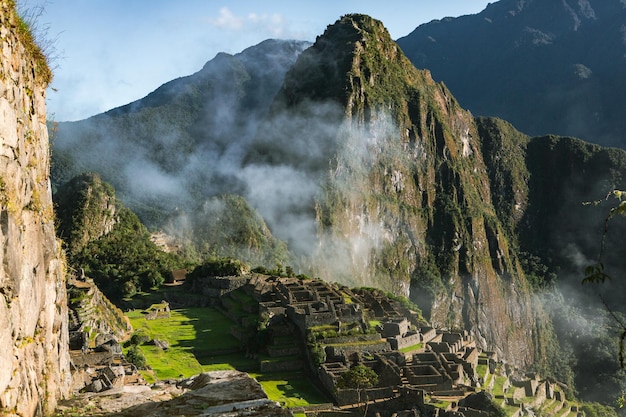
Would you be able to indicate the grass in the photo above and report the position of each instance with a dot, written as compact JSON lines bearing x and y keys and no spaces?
{"x":482,"y":371}
{"x":498,"y":386}
{"x":510,"y":409}
{"x":174,"y":363}
{"x":322,"y":328}
{"x":269,"y":359}
{"x":443,"y":405}
{"x":32,"y":36}
{"x":291,"y":389}
{"x":346,"y":298}
{"x":359,"y":343}
{"x":412,"y":348}
{"x":199,"y":340}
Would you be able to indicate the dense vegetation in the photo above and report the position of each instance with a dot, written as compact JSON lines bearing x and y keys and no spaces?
{"x":107,"y":242}
{"x":125,"y":261}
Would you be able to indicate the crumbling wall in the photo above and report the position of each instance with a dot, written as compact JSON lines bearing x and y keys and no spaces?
{"x":34,"y":341}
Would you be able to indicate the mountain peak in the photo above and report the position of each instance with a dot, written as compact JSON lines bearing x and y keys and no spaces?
{"x":356,"y":54}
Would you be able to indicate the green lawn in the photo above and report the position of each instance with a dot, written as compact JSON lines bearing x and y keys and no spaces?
{"x":292,"y":389}
{"x":498,"y":386}
{"x":482,"y":371}
{"x":199,"y":339}
{"x":510,"y":409}
{"x":412,"y":348}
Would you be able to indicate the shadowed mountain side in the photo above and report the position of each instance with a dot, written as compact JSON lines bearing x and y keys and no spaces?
{"x":541,"y":187}
{"x":547,"y":66}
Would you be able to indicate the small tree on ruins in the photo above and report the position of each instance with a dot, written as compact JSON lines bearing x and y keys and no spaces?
{"x":359,"y":377}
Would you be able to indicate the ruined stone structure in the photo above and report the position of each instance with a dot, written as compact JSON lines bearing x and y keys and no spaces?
{"x":213,"y":288}
{"x":410,"y":358}
{"x":158,"y":311}
{"x":90,"y":312}
{"x":34,"y":358}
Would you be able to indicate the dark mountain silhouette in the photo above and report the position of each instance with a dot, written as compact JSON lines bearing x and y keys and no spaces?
{"x":546,"y":66}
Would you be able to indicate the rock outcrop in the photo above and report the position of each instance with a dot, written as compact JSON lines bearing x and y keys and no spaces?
{"x":214,"y":394}
{"x":87,"y":210}
{"x":34,"y":359}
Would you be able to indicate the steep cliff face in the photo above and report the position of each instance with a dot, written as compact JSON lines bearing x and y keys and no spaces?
{"x":404,"y":185}
{"x":34,"y":360}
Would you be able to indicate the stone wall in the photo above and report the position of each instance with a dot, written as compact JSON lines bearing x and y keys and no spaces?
{"x":398,"y":343}
{"x":34,"y":340}
{"x":345,"y":350}
{"x":96,"y":314}
{"x":216,"y":287}
{"x":353,"y":396}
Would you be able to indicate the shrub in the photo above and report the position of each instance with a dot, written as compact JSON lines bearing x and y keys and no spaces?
{"x":135,"y":356}
{"x":138,"y":338}
{"x":219,"y":267}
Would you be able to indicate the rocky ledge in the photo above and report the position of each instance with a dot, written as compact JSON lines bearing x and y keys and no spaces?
{"x":210,"y":394}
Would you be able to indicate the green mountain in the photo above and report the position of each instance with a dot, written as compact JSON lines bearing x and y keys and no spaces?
{"x":174,"y":147}
{"x":403,"y":200}
{"x":106,"y":241}
{"x":373,"y":175}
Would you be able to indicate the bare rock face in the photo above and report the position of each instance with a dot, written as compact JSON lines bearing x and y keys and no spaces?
{"x":34,"y":360}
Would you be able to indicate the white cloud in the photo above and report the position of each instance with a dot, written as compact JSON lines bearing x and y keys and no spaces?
{"x":273,"y":24}
{"x":227,"y":20}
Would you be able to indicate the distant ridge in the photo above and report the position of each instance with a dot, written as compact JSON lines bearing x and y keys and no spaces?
{"x":547,"y":66}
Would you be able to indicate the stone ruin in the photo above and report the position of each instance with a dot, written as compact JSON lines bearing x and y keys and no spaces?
{"x":158,"y":311}
{"x":412,"y":360}
{"x":100,"y":368}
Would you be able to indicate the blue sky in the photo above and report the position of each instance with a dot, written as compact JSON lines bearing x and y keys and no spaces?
{"x":112,"y":52}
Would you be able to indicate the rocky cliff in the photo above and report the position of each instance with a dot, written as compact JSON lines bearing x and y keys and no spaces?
{"x":86,"y":209}
{"x":34,"y":360}
{"x":403,"y":185}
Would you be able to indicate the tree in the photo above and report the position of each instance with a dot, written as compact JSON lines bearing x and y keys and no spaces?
{"x":359,"y":377}
{"x":135,"y":356}
{"x":596,"y":274}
